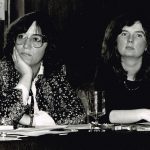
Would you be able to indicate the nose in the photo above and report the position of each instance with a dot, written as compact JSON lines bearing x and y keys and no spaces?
{"x":27,"y":43}
{"x":130,"y":38}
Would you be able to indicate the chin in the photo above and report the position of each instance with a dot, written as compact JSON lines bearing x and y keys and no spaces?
{"x":130,"y":54}
{"x":27,"y":62}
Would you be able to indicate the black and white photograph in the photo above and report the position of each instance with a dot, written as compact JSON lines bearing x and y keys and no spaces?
{"x":74,"y":74}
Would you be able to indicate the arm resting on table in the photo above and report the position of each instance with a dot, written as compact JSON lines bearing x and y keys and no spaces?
{"x":129,"y":116}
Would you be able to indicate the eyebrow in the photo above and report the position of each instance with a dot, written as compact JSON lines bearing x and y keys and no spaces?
{"x":135,"y":31}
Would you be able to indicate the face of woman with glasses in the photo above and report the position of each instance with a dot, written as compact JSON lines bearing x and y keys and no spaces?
{"x":31,"y":45}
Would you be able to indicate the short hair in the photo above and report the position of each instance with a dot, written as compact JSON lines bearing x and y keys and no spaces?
{"x":51,"y":59}
{"x":109,"y":52}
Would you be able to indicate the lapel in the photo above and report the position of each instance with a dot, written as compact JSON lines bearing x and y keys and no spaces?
{"x":42,"y":92}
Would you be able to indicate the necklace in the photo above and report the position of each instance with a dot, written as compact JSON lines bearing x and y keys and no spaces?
{"x":129,"y":88}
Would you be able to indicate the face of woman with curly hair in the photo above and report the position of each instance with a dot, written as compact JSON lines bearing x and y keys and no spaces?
{"x":131,"y":42}
{"x":31,"y":45}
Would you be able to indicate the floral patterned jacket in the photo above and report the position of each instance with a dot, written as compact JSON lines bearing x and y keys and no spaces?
{"x":54,"y":95}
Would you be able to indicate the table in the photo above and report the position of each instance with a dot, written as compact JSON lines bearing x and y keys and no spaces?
{"x":83,"y":140}
{"x":105,"y":140}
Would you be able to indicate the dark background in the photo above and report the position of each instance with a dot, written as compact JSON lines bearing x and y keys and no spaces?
{"x":81,"y":24}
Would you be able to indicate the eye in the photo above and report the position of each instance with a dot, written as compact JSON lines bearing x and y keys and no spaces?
{"x":20,"y":36}
{"x":37,"y":38}
{"x":139,"y":35}
{"x":124,"y":34}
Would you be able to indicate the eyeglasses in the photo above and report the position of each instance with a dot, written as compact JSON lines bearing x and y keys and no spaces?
{"x":36,"y":40}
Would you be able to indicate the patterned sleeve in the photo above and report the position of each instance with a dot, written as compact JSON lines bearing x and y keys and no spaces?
{"x":70,"y":109}
{"x":11,"y":106}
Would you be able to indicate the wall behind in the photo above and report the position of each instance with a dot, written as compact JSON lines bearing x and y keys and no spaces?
{"x":81,"y":24}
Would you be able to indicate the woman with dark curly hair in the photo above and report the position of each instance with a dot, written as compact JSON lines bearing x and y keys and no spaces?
{"x":33,"y":86}
{"x":126,"y":56}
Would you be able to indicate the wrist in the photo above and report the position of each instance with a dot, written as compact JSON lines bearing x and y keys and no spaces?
{"x":27,"y":72}
{"x":27,"y":76}
{"x":143,"y":114}
{"x":26,"y":81}
{"x":31,"y":120}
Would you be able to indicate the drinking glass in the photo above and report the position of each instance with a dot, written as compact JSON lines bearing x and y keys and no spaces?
{"x":96,"y":102}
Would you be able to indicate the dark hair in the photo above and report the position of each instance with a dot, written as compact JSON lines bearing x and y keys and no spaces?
{"x":51,"y":60}
{"x":109,"y":52}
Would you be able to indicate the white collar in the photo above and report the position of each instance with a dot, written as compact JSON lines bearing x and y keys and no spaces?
{"x":41,"y":71}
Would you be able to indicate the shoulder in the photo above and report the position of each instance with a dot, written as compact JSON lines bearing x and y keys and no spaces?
{"x":105,"y":76}
{"x":57,"y":76}
{"x":5,"y":64}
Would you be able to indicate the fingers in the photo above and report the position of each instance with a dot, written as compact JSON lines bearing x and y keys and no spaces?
{"x":14,"y":57}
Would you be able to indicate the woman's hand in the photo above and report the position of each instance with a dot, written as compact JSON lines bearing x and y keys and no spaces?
{"x":145,"y":115}
{"x":43,"y":119}
{"x":26,"y":75}
{"x":40,"y":119}
{"x":20,"y":65}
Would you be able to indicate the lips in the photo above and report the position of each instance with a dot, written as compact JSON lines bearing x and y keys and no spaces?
{"x":130,"y":47}
{"x":25,"y":54}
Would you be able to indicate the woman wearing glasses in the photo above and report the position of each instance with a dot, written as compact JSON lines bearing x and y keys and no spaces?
{"x":33,"y":86}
